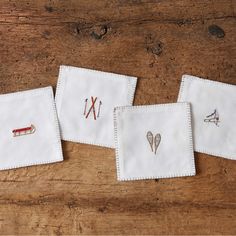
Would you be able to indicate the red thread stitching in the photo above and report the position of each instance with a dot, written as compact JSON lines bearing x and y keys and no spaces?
{"x":92,"y":108}
{"x":23,"y":131}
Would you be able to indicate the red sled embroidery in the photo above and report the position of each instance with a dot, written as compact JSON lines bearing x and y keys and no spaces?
{"x":24,"y":131}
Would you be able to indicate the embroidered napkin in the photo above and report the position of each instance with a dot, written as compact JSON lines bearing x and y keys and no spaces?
{"x":153,"y":141}
{"x":85,"y":102}
{"x":29,"y":133}
{"x":214,"y":115}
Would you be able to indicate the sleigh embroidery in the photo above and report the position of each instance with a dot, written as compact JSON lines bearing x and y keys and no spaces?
{"x":24,"y":131}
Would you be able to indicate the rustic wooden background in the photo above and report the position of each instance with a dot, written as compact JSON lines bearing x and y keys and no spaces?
{"x":157,"y":41}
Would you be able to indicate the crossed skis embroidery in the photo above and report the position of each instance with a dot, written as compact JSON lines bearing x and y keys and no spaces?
{"x":92,"y":108}
{"x":213,"y":118}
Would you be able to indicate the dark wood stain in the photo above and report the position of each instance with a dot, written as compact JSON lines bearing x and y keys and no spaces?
{"x":216,"y":31}
{"x":48,"y":8}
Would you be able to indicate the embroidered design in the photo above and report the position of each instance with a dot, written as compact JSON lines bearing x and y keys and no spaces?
{"x":92,"y":108}
{"x":24,"y":131}
{"x":214,"y":118}
{"x":99,"y":108}
{"x":85,"y":106}
{"x":153,"y":141}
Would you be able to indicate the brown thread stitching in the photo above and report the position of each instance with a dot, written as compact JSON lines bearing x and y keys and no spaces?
{"x":99,"y":108}
{"x":94,"y":112}
{"x":85,"y":107}
{"x":157,"y":141}
{"x":150,"y":139}
{"x":153,"y":141}
{"x":213,"y":118}
{"x":92,"y":108}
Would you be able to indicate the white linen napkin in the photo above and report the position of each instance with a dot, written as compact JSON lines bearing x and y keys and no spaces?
{"x":29,"y":134}
{"x":153,"y":141}
{"x":214,"y":115}
{"x":85,"y":100}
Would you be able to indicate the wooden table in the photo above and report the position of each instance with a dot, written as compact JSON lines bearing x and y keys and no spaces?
{"x":157,"y":41}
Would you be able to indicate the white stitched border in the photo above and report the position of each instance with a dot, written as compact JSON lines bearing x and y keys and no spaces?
{"x":191,"y":77}
{"x":132,"y":82}
{"x":116,"y":144}
{"x":149,"y":107}
{"x":108,"y":75}
{"x":59,"y":90}
{"x":230,"y":156}
{"x":38,"y":91}
{"x":181,"y":90}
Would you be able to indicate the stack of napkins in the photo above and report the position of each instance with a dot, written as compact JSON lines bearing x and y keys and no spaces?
{"x":93,"y":107}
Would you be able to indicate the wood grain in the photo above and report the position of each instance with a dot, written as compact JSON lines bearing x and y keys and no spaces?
{"x":157,"y":41}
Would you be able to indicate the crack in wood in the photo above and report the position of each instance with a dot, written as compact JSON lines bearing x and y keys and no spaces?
{"x":88,"y":25}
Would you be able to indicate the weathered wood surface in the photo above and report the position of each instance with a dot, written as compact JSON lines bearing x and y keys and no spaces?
{"x":157,"y":41}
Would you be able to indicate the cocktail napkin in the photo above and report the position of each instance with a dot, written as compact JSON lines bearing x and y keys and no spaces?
{"x":29,"y":134}
{"x":214,"y":115}
{"x":153,"y":141}
{"x":85,"y":101}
